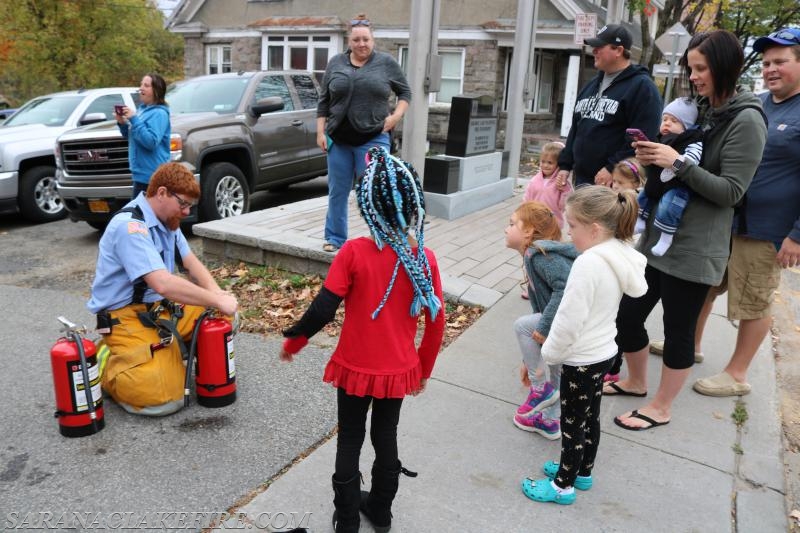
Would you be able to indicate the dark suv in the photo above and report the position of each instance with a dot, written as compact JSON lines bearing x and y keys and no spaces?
{"x":242,"y":132}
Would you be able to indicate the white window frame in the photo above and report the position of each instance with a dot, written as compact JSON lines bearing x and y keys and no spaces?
{"x":269,"y":40}
{"x":531,"y":104}
{"x":543,"y":58}
{"x":433,"y":98}
{"x":220,"y":62}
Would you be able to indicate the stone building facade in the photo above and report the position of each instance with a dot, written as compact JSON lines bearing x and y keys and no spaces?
{"x":248,"y":35}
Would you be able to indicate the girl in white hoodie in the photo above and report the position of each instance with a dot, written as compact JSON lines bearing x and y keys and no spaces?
{"x":581,"y":338}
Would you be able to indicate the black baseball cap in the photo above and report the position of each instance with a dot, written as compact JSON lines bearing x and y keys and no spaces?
{"x":782,"y":37}
{"x":611,"y":34}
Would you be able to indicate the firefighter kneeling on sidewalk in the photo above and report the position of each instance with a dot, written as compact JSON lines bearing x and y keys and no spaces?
{"x":145,"y":312}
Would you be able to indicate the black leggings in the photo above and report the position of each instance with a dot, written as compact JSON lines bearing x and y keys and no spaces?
{"x":352,"y":428}
{"x":581,"y":392}
{"x":682,"y":301}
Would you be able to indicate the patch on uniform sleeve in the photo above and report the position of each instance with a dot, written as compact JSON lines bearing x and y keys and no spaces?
{"x":134,"y":226}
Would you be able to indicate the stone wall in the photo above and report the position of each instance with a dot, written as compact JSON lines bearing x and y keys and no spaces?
{"x":245,"y":54}
{"x":194,"y":58}
{"x":480,"y":66}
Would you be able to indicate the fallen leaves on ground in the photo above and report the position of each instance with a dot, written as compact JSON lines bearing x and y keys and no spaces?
{"x":271,"y":300}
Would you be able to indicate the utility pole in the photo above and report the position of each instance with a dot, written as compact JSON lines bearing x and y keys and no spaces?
{"x":424,"y":73}
{"x":519,"y":83}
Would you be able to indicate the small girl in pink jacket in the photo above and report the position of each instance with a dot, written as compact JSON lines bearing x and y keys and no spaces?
{"x":543,"y":186}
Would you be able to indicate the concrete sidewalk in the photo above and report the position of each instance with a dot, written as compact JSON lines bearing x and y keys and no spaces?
{"x":476,"y":266}
{"x":699,"y":473}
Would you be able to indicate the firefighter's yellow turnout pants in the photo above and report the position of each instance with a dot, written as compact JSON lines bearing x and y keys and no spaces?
{"x":142,"y":375}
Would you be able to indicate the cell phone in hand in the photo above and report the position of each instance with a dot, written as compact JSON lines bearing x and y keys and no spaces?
{"x":636,"y":134}
{"x":119,"y":109}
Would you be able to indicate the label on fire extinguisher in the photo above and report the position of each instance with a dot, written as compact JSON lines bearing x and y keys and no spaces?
{"x":78,"y":390}
{"x":231,"y":362}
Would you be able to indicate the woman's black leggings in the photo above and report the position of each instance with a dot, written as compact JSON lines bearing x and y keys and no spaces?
{"x":352,"y":429}
{"x":682,"y":301}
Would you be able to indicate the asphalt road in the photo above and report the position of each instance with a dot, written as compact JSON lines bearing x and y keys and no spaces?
{"x":61,"y":255}
{"x":197,"y":461}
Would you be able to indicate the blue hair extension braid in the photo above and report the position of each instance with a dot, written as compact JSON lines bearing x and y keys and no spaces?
{"x":389,"y":197}
{"x":430,"y":299}
{"x":396,"y":196}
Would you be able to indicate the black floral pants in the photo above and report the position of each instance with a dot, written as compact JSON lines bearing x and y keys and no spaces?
{"x":581,"y":392}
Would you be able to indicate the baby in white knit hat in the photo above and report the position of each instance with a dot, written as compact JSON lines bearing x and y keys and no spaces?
{"x":678,"y":131}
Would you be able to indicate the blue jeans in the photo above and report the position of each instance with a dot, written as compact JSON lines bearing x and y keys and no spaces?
{"x":669,"y":211}
{"x":345,"y":163}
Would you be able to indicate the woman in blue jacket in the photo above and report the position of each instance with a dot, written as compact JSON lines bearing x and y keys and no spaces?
{"x":147,"y":130}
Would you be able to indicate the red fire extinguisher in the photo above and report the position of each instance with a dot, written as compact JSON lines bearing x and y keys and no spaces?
{"x":79,"y":407}
{"x":215,"y":374}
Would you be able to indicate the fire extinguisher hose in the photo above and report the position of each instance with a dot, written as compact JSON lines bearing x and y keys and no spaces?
{"x":193,"y":354}
{"x":87,"y":384}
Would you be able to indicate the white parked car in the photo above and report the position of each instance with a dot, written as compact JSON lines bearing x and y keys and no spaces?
{"x":27,"y":146}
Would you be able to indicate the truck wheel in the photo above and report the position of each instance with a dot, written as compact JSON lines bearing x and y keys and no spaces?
{"x":38,"y":199}
{"x":225,"y":192}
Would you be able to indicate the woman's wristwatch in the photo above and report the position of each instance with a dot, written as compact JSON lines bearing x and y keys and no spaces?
{"x":677,"y":164}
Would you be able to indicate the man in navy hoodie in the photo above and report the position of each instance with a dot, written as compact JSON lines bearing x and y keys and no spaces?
{"x":621,"y":96}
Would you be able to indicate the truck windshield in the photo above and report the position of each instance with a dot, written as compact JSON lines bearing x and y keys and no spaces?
{"x":204,"y":96}
{"x":47,"y":110}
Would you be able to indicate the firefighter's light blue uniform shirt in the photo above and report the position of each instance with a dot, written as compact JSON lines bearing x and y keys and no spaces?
{"x":129,"y":249}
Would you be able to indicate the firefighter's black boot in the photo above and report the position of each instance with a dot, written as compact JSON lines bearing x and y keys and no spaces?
{"x":377,"y":503}
{"x":346,"y":500}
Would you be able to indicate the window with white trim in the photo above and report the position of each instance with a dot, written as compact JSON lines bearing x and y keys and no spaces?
{"x":298,"y":52}
{"x":218,"y":59}
{"x":452,"y":73}
{"x":541,"y":100}
{"x":543,"y":95}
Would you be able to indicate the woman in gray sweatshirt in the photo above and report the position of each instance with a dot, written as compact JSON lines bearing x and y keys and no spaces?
{"x":353,"y":116}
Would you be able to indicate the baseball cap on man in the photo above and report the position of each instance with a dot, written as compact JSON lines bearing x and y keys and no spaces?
{"x":611,"y":34}
{"x":782,"y":37}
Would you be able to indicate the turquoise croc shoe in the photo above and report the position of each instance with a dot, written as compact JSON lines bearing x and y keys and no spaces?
{"x":542,"y":490}
{"x":550,"y":469}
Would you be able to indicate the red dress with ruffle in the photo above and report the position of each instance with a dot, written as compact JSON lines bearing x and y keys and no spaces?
{"x":378,"y":357}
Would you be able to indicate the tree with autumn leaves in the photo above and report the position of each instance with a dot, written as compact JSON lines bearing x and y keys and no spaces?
{"x":55,"y":45}
{"x":748,"y":19}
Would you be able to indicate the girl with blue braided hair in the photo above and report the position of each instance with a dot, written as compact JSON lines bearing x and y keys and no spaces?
{"x":387,"y":281}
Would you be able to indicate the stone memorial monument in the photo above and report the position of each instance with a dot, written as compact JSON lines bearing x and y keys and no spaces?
{"x":468,"y":177}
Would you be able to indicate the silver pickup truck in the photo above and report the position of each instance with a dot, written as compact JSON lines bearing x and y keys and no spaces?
{"x":27,"y":139}
{"x":242,"y":132}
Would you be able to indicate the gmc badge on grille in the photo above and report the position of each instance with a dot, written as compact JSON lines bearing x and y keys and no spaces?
{"x":93,"y":155}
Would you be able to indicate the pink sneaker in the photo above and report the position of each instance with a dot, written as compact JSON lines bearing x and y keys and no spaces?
{"x":611,"y":378}
{"x":549,"y":428}
{"x":539,"y":398}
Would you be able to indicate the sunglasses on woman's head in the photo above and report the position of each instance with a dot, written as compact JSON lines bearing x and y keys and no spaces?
{"x":360,"y":22}
{"x":786,"y":35}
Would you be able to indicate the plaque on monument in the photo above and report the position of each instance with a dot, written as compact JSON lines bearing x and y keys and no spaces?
{"x":472,"y":128}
